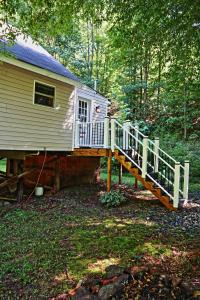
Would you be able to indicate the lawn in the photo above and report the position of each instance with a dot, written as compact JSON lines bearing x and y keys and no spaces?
{"x":3,"y":165}
{"x":127,"y":178}
{"x":51,"y":243}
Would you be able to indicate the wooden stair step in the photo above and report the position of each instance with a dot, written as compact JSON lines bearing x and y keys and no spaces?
{"x":149,"y":185}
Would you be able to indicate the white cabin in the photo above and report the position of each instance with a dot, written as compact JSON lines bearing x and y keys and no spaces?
{"x":41,"y":101}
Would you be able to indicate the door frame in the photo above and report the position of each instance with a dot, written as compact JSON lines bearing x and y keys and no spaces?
{"x":90,"y":106}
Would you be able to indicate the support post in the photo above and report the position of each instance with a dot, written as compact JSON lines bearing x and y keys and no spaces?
{"x":136,"y":136}
{"x":20,"y":189}
{"x":186,"y":180}
{"x":113,"y":134}
{"x":8,"y":167}
{"x":156,"y":155}
{"x":176,"y":184}
{"x":144,"y":156}
{"x":20,"y":184}
{"x":57,"y":175}
{"x":15,"y":167}
{"x":136,"y":183}
{"x":109,"y":171}
{"x":77,"y":134}
{"x":106,"y":132}
{"x":120,"y":173}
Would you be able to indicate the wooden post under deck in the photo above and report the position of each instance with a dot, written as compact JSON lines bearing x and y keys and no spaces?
{"x":8,"y":167}
{"x":19,"y":166}
{"x":109,"y":171}
{"x":120,"y":173}
{"x":57,"y":175}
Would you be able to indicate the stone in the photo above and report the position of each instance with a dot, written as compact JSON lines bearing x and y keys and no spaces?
{"x":113,"y":270}
{"x":110,"y":290}
{"x":83,"y":294}
{"x":122,"y":280}
{"x":107,"y":291}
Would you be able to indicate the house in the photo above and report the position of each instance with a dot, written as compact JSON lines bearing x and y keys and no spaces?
{"x":53,"y":131}
{"x":41,"y":105}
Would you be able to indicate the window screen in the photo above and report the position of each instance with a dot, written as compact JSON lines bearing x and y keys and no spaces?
{"x":44,"y":94}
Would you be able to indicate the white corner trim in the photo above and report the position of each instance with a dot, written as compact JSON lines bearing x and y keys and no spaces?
{"x":38,"y":70}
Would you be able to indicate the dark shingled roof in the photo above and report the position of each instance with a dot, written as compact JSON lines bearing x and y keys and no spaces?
{"x":27,"y":51}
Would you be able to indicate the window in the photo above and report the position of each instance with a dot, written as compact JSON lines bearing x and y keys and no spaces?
{"x":83,"y":111}
{"x":44,"y":94}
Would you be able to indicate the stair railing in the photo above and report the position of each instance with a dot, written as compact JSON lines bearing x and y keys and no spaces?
{"x":168,"y":174}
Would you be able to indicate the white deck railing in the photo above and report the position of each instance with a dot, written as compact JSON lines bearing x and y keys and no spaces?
{"x":89,"y":134}
{"x":145,"y":154}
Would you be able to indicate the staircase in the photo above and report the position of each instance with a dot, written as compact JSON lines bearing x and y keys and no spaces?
{"x":159,"y":173}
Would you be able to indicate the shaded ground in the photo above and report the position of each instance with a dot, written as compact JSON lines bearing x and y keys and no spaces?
{"x":48,"y":245}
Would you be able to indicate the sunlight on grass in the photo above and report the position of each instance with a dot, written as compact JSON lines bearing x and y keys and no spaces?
{"x":101,"y":264}
{"x":3,"y":165}
{"x":154,"y":249}
{"x":126,"y":178}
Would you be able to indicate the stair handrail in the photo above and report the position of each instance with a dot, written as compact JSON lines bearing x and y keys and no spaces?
{"x":184,"y":168}
{"x":160,"y":155}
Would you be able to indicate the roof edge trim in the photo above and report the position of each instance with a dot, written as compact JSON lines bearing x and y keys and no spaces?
{"x":38,"y":70}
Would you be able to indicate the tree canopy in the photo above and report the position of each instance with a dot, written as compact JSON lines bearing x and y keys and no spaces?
{"x":143,"y":54}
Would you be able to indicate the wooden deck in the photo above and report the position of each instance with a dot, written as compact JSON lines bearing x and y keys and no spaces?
{"x":91,"y":152}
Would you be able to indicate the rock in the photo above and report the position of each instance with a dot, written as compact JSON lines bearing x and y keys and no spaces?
{"x":113,"y":270}
{"x":83,"y":294}
{"x":91,"y":282}
{"x":122,"y":280}
{"x":107,"y":291}
{"x":116,"y":288}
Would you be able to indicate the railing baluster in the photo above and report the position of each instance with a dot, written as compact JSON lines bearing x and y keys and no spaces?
{"x":186,"y":179}
{"x":156,"y":150}
{"x":176,"y":184}
{"x":144,"y":156}
{"x":113,"y":134}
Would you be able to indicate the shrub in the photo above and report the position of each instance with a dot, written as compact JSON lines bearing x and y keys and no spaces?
{"x":112,"y":199}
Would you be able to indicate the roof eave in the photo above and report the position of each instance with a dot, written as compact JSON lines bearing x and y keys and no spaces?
{"x":35,"y":69}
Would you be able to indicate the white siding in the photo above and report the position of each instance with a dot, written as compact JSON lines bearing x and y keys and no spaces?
{"x":96,"y":100}
{"x":28,"y":126}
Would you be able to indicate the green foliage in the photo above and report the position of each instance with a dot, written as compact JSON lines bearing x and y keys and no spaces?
{"x":112,"y":199}
{"x":185,"y":150}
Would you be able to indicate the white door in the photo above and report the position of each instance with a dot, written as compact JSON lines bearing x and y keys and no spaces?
{"x":84,"y":110}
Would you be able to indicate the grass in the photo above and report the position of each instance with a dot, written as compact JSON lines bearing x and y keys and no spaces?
{"x":50,"y":244}
{"x":3,"y":165}
{"x":127,"y":178}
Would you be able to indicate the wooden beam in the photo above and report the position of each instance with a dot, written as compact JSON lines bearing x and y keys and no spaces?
{"x":12,"y":154}
{"x":120,"y":173}
{"x":8,"y":167}
{"x":109,"y":171}
{"x":20,"y":189}
{"x":57,"y":175}
{"x":90,"y":152}
{"x":15,"y":178}
{"x":136,"y":183}
{"x":15,"y":167}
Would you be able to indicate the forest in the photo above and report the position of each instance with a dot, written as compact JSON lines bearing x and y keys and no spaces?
{"x":88,"y":241}
{"x":143,"y":55}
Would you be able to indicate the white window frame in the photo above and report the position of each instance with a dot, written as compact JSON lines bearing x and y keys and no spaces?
{"x":54,"y":99}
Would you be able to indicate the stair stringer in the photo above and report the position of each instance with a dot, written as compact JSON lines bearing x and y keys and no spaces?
{"x":157,"y":192}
